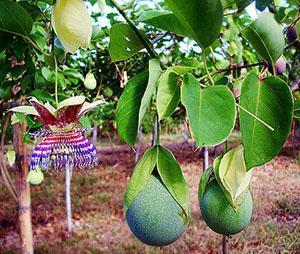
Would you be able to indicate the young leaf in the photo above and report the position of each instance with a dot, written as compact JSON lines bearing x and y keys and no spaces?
{"x":14,"y":18}
{"x":201,"y":19}
{"x":203,"y":182}
{"x":140,"y":176}
{"x":211,"y":111}
{"x":128,"y":108}
{"x":123,"y":43}
{"x":271,"y":101}
{"x":154,"y":74}
{"x":164,"y":20}
{"x":172,"y":177}
{"x":168,"y":94}
{"x":266,"y":36}
{"x":233,"y":174}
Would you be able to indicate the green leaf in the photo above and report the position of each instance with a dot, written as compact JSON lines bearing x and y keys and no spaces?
{"x":216,"y":165}
{"x":262,"y":4}
{"x":172,"y":177}
{"x":140,"y":177}
{"x":14,"y":18}
{"x":85,"y":122}
{"x":154,"y":74}
{"x":11,"y":157}
{"x":164,"y":20}
{"x":123,"y":43}
{"x":266,"y":36}
{"x":168,"y":94}
{"x":201,"y":19}
{"x":240,"y":3}
{"x":129,"y":106}
{"x":271,"y":101}
{"x":297,"y":109}
{"x":203,"y":182}
{"x":211,"y":111}
{"x":233,"y":174}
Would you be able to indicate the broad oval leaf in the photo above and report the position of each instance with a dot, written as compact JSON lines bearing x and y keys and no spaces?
{"x":141,"y":175}
{"x":211,"y":111}
{"x":203,"y":182}
{"x":128,"y":108}
{"x":154,"y":74}
{"x":123,"y":42}
{"x":168,"y":94}
{"x":164,"y":20}
{"x":262,"y":4}
{"x":271,"y":101}
{"x":172,"y":177}
{"x":14,"y":18}
{"x":266,"y":36}
{"x":233,"y":174}
{"x":202,"y":19}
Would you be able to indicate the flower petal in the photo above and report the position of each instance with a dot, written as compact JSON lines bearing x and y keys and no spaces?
{"x":27,"y":110}
{"x":45,"y":116}
{"x":87,"y":107}
{"x":72,"y":24}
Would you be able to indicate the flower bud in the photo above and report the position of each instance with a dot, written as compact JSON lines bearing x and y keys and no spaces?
{"x":72,"y":24}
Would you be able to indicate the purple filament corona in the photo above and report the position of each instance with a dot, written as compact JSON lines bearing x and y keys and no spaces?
{"x":61,"y":148}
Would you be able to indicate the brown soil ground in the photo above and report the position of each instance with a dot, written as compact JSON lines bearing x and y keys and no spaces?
{"x":100,"y":227}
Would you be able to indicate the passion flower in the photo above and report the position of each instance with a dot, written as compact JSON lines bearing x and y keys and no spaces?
{"x":64,"y":142}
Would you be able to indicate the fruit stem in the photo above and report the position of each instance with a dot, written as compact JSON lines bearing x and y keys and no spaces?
{"x":156,"y":132}
{"x":206,"y":68}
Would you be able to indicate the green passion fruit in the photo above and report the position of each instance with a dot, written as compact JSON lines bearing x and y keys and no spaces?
{"x":154,"y":216}
{"x":35,"y":177}
{"x":219,"y":215}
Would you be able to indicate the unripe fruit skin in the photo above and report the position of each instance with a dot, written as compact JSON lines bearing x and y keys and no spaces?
{"x":219,"y":215}
{"x":154,"y":217}
{"x":35,"y":177}
{"x":90,"y":82}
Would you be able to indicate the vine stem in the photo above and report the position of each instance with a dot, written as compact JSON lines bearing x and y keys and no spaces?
{"x":205,"y":66}
{"x":56,"y":83}
{"x":141,"y":37}
{"x":255,"y":117}
{"x":238,"y":67}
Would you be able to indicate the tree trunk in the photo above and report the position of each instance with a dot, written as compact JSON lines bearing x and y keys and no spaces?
{"x":23,"y":189}
{"x":68,"y":197}
{"x":95,"y":133}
